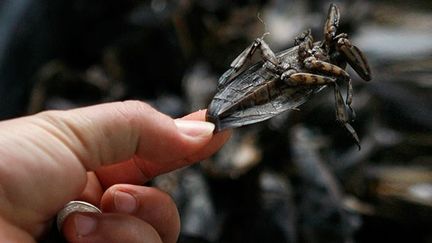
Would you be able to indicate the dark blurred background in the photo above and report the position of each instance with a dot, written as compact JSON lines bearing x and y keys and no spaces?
{"x":295,"y":178}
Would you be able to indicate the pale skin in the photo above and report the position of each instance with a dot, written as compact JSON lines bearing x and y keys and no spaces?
{"x":100,"y":154}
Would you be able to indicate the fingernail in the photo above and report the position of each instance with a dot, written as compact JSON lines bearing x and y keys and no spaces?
{"x":194,"y":128}
{"x":124,"y":202}
{"x":84,"y":224}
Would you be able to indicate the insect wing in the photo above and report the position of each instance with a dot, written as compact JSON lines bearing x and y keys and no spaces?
{"x":288,"y":98}
{"x":292,"y":98}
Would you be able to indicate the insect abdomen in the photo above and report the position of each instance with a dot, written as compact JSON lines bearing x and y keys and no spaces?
{"x":260,"y":96}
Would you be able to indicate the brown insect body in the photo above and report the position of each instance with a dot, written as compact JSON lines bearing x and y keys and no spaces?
{"x":263,"y":88}
{"x":252,"y":92}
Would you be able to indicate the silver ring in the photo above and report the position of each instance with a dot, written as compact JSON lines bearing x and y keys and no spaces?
{"x":72,"y":207}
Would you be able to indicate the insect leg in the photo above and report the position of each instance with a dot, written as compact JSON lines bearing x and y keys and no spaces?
{"x":342,"y":115}
{"x":324,"y":67}
{"x":327,"y":68}
{"x":331,"y":25}
{"x":307,"y":79}
{"x":305,"y":43}
{"x":245,"y":58}
{"x":349,"y":98}
{"x":354,"y":57}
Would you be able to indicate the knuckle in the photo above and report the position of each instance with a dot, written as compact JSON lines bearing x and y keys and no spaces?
{"x":131,"y":107}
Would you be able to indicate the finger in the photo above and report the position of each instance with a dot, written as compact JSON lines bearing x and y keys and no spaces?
{"x":138,"y":171}
{"x":149,"y":204}
{"x":150,"y":169}
{"x":132,"y":174}
{"x":109,"y":133}
{"x":197,"y":115}
{"x":93,"y":191}
{"x":215,"y":144}
{"x":107,"y":228}
{"x":11,"y":233}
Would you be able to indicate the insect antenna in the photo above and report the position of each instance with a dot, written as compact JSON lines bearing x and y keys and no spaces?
{"x":266,"y":32}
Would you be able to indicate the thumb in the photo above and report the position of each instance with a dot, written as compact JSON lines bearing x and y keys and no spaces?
{"x":115,"y":132}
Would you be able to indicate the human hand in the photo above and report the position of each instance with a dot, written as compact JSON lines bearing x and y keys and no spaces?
{"x":99,"y":154}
